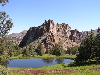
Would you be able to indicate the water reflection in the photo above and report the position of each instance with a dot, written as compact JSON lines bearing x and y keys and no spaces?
{"x":47,"y":60}
{"x":59,"y":61}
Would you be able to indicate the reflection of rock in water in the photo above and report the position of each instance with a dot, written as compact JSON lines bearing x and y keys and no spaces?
{"x":47,"y":60}
{"x":59,"y":61}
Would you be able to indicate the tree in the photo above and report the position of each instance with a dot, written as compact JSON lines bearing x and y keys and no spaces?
{"x":86,"y":48}
{"x":96,"y":53}
{"x":8,"y":48}
{"x":3,"y":2}
{"x":72,"y":50}
{"x":57,"y":50}
{"x":5,"y":23}
{"x":28,"y":50}
{"x":40,"y":50}
{"x":12,"y":48}
{"x":17,"y":50}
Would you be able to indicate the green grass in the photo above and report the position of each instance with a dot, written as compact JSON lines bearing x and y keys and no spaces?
{"x":64,"y":66}
{"x":77,"y":73}
{"x":46,"y":56}
{"x":16,"y":73}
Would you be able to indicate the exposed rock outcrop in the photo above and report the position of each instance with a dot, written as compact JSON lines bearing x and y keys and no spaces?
{"x":50,"y":34}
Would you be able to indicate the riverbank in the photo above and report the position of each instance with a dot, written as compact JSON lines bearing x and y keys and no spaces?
{"x":46,"y":56}
{"x":59,"y":69}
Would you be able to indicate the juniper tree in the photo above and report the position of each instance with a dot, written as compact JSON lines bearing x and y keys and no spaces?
{"x":72,"y":50}
{"x":57,"y":50}
{"x":5,"y":22}
{"x":86,"y":48}
{"x":5,"y":25}
{"x":40,"y":50}
{"x":97,"y":46}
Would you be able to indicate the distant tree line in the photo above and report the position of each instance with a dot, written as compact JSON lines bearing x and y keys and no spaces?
{"x":29,"y":50}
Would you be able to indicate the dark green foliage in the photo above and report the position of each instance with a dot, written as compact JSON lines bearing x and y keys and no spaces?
{"x":13,"y":49}
{"x":3,"y":2}
{"x":89,"y":49}
{"x":57,"y":50}
{"x":72,"y":50}
{"x":96,"y":52}
{"x":86,"y":48}
{"x":8,"y":48}
{"x":28,"y":50}
{"x":40,"y":50}
{"x":5,"y":23}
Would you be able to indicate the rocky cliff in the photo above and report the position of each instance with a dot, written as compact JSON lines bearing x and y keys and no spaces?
{"x":50,"y":34}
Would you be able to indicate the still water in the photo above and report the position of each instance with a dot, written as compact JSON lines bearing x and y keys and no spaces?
{"x":26,"y":63}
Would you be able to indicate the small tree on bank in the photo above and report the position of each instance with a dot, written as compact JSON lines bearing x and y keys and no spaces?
{"x":72,"y":50}
{"x":57,"y":50}
{"x":28,"y":50}
{"x":40,"y":50}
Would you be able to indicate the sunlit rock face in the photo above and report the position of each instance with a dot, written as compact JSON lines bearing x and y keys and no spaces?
{"x":50,"y":34}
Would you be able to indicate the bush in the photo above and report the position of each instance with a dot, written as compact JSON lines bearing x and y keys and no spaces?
{"x":57,"y":50}
{"x":72,"y":50}
{"x":40,"y":50}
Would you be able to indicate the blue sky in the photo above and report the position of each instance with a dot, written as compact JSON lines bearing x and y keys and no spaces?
{"x":83,"y":15}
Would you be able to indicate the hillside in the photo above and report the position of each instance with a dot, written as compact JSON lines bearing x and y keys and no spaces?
{"x":18,"y":35}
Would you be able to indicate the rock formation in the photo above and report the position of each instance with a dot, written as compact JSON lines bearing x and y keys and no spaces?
{"x":50,"y":34}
